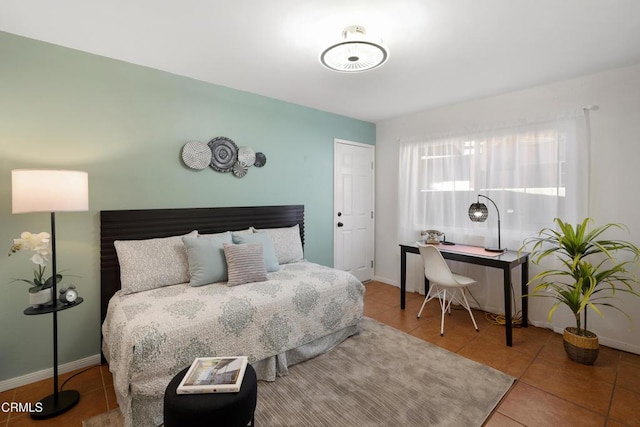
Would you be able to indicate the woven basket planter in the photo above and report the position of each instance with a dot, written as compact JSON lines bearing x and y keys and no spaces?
{"x":580,"y":348}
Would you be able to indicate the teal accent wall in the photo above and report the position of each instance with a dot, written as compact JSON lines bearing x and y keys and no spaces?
{"x":126,"y":124}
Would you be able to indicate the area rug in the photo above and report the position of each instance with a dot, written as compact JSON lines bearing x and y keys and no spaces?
{"x":379,"y":377}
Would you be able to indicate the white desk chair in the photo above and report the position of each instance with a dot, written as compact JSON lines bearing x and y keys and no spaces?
{"x":442,"y":279}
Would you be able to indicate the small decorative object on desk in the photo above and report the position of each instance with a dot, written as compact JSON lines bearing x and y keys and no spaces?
{"x":40,"y":290}
{"x":432,"y":237}
{"x":214,"y":375}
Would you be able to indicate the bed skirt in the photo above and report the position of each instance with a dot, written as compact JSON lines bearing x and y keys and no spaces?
{"x":147,"y":410}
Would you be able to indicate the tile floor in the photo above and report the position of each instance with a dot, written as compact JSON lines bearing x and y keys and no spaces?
{"x":96,"y":396}
{"x":551,"y":390}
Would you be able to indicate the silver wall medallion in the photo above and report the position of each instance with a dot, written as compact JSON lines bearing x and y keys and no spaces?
{"x":224,"y":154}
{"x":196,"y":155}
{"x":261,"y":160}
{"x":240,"y":169}
{"x":246,"y":155}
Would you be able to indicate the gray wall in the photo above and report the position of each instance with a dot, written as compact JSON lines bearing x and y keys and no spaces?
{"x":126,"y":125}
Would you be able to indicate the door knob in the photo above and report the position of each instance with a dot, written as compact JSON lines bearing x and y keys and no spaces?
{"x":340,"y":224}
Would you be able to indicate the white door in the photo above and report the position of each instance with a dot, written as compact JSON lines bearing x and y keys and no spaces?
{"x":353,"y":208}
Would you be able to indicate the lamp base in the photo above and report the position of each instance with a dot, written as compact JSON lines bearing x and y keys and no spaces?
{"x":500,"y":250}
{"x":66,"y":400}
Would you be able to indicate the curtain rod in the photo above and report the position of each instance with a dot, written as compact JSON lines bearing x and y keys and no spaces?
{"x":503,"y":125}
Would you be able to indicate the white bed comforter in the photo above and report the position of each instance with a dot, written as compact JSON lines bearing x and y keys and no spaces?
{"x":150,"y":336}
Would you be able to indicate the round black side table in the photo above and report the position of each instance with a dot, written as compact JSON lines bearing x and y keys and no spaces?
{"x":61,"y":400}
{"x":211,"y":409}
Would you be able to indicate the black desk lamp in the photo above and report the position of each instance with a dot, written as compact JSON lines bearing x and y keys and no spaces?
{"x":478,"y":212}
{"x":51,"y":191}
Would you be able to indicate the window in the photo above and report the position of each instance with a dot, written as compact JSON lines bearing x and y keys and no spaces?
{"x":534,"y":173}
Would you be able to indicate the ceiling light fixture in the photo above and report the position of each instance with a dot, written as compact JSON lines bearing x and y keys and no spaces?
{"x":355,"y":53}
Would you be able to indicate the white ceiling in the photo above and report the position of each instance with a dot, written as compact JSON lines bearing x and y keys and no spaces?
{"x":441,"y":51}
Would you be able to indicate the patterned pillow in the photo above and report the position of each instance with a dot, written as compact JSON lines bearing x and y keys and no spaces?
{"x":286,"y":243}
{"x":270,"y":260}
{"x":245,"y":263}
{"x":207,"y":263}
{"x":152,"y":263}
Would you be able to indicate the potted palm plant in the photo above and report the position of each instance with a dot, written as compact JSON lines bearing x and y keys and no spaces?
{"x":591,"y":270}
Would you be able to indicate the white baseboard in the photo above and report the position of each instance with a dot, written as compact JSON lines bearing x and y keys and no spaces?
{"x":609,"y":342}
{"x":603,"y":340}
{"x":387,"y":281}
{"x":48,"y":373}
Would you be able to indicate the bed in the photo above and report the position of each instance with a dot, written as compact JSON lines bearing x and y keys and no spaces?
{"x":153,"y":328}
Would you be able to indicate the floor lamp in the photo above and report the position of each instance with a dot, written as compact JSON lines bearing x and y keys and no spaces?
{"x":51,"y":191}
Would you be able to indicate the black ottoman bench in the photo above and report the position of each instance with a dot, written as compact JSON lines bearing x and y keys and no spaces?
{"x":211,"y":409}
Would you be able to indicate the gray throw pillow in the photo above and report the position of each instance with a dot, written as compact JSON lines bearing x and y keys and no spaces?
{"x":287,"y":244}
{"x":245,"y":263}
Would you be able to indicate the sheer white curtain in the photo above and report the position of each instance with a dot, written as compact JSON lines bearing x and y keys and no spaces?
{"x":534,"y":172}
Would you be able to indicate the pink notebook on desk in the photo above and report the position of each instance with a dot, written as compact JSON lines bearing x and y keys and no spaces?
{"x":474,"y":250}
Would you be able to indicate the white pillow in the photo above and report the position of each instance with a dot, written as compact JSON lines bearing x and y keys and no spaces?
{"x":152,"y":263}
{"x":287,"y":244}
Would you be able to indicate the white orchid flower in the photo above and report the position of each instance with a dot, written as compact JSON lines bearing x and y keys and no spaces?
{"x":39,"y":259}
{"x":38,"y":243}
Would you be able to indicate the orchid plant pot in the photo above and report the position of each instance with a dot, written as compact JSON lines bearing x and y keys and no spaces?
{"x":40,"y":298}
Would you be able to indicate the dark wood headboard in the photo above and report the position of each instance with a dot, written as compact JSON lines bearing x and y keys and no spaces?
{"x":150,"y":223}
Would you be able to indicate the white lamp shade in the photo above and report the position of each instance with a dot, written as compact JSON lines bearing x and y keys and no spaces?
{"x":49,"y":191}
